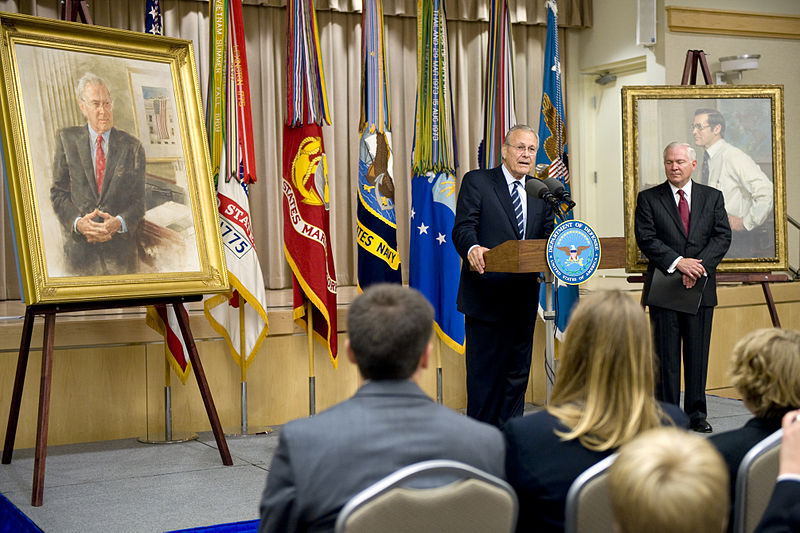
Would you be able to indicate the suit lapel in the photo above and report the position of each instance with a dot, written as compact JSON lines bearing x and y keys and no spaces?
{"x":85,"y":155}
{"x":111,"y":162}
{"x":699,"y":199}
{"x":501,"y":190}
{"x":671,"y":208}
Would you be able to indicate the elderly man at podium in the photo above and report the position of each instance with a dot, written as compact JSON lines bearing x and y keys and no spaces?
{"x":499,"y":308}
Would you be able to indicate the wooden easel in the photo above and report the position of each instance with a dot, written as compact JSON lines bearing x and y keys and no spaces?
{"x":72,"y":9}
{"x":693,"y":58}
{"x":49,"y":311}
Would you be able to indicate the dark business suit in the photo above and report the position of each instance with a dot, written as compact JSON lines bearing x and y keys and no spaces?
{"x":661,"y":237}
{"x":322,"y":462}
{"x":783,"y":511}
{"x":74,"y":194}
{"x":499,"y":308}
{"x":734,"y":445}
{"x":541,"y":467}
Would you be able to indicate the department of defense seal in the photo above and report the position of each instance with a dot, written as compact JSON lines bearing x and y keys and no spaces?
{"x":573,"y":252}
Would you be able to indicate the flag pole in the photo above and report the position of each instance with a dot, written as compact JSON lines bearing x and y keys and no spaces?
{"x":312,"y":400}
{"x":242,"y":361}
{"x":438,"y":371}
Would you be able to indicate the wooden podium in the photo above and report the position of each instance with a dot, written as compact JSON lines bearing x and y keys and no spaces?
{"x":519,"y":256}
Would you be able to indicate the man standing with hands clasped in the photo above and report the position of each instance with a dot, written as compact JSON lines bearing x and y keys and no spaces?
{"x":499,"y":308}
{"x":682,"y":226}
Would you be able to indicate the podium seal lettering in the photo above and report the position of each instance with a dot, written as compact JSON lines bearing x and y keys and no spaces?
{"x":573,"y":252}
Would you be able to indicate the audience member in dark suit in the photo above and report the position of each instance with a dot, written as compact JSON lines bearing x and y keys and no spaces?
{"x":321,"y":462}
{"x":682,"y":226}
{"x":765,"y":369}
{"x":668,"y":481}
{"x":601,"y":399}
{"x":783,"y":512}
{"x":499,"y":308}
{"x":98,"y":187}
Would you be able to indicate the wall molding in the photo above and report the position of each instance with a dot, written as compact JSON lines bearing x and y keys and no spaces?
{"x":724,"y":22}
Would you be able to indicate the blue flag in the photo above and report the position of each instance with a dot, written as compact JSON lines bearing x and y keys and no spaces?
{"x":434,"y":265}
{"x":553,"y":151}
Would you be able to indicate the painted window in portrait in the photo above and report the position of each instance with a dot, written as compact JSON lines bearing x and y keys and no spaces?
{"x":108,"y":168}
{"x":736,"y":133}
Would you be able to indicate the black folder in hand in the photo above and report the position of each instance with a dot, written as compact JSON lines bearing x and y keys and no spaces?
{"x":667,"y":291}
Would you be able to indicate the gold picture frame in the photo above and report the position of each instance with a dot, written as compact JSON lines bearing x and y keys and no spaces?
{"x":170,"y":244}
{"x":752,"y":123}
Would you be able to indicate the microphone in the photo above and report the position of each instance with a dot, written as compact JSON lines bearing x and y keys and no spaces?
{"x":559,"y":191}
{"x":538,"y":189}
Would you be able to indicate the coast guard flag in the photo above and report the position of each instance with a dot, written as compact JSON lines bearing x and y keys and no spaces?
{"x":434,"y":264}
{"x":553,"y":151}
{"x":230,"y":136}
{"x":160,"y":317}
{"x":498,"y":96}
{"x":306,"y":218}
{"x":378,"y":260}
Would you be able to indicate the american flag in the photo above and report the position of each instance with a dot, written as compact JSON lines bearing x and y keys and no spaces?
{"x":153,"y":22}
{"x":558,"y":170}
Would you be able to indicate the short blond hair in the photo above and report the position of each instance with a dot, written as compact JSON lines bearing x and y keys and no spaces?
{"x":765,"y":369}
{"x":603,"y":392}
{"x":669,"y":481}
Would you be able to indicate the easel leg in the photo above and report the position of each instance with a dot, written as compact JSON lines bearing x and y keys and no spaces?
{"x":19,"y":383}
{"x":773,"y":311}
{"x":37,"y":494}
{"x":205,"y":392}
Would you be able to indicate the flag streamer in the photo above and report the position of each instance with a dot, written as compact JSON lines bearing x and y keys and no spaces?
{"x":434,"y":265}
{"x":306,"y":194}
{"x":229,"y":126}
{"x":553,"y":151}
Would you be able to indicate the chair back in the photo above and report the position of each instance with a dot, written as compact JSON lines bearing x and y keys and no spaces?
{"x":437,"y":496}
{"x":588,"y":506}
{"x":754,"y":483}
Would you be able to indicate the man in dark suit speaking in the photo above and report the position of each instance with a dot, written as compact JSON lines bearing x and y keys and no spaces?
{"x":98,"y":187}
{"x":499,"y":308}
{"x":682,"y":226}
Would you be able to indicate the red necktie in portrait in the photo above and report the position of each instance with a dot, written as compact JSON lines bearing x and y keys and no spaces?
{"x":683,"y":210}
{"x":100,"y":164}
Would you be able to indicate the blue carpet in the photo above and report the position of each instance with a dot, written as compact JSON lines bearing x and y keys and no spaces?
{"x":12,"y":520}
{"x":233,"y":527}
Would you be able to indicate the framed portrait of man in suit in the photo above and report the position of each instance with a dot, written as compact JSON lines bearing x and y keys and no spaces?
{"x":736,"y":135}
{"x":106,"y":164}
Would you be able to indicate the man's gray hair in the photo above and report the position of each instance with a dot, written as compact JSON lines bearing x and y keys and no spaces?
{"x":88,"y":79}
{"x":689,"y":150}
{"x":520,"y":127}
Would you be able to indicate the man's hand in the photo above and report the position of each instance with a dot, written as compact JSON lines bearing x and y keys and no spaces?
{"x":475,"y":258}
{"x":101,"y":231}
{"x":737,"y":223}
{"x":687,"y":281}
{"x":691,"y":267}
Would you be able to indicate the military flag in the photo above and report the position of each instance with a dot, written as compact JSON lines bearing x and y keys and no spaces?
{"x":498,"y":94}
{"x":306,"y":197}
{"x":378,"y":260}
{"x":434,"y":265}
{"x":553,"y":150}
{"x":240,"y":316}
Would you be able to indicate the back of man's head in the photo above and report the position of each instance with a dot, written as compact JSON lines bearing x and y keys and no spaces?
{"x":669,"y":481}
{"x":389,"y":327}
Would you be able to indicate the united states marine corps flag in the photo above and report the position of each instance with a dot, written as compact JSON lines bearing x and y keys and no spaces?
{"x":241,"y":315}
{"x":377,"y":226}
{"x":553,"y":150}
{"x":306,"y":196}
{"x":434,"y":266}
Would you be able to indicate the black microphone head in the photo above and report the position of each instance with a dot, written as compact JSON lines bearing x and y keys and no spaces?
{"x":536,"y":188}
{"x":554,"y":185}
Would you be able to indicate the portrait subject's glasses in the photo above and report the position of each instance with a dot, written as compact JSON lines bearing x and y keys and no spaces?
{"x":700,"y":127}
{"x":98,"y":104}
{"x":521,"y":148}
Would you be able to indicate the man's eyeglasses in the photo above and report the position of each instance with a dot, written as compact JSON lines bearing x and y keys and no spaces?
{"x":700,"y":127}
{"x":522,"y":148}
{"x":97,"y":104}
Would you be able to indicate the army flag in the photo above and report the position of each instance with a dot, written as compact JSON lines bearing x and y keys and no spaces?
{"x":376,"y":235}
{"x":498,"y":94}
{"x":306,"y":197}
{"x":240,"y":316}
{"x":434,"y":264}
{"x":553,"y":150}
